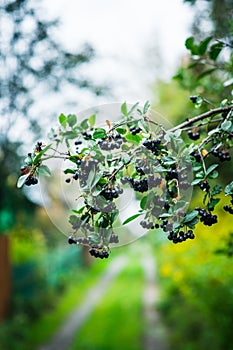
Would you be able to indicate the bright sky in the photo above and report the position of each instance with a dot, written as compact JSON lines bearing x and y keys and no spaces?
{"x":127,"y":35}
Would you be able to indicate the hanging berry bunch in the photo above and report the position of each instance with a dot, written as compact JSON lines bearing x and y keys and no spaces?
{"x":137,"y":153}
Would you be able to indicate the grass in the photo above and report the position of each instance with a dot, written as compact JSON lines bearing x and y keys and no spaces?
{"x":116,"y":321}
{"x":48,"y":324}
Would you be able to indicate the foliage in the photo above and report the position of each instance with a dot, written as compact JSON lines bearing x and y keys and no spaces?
{"x":154,"y":163}
{"x":35,"y":62}
{"x":196,"y":300}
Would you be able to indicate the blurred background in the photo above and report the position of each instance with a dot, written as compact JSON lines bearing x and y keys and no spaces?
{"x":66,"y":56}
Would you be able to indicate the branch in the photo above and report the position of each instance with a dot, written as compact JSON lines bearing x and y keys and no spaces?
{"x":205,"y":115}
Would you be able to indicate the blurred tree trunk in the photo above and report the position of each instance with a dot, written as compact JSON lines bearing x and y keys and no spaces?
{"x":5,"y":276}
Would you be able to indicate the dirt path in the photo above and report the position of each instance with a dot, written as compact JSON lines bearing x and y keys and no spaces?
{"x":154,"y":337}
{"x":63,"y":338}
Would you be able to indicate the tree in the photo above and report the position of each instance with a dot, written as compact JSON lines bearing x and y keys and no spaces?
{"x":32,"y":63}
{"x":156,"y":163}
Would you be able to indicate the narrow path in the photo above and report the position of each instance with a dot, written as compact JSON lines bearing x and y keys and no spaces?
{"x":153,"y":330}
{"x":64,"y":337}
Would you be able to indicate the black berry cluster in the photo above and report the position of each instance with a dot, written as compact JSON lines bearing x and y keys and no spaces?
{"x":228,"y":209}
{"x":153,"y":145}
{"x":171,"y":174}
{"x":196,"y":155}
{"x":206,"y":217}
{"x":111,"y":193}
{"x":147,"y":224}
{"x":135,"y":130}
{"x":204,"y":186}
{"x":102,"y":254}
{"x":223,"y":155}
{"x":111,"y":143}
{"x":31,"y":180}
{"x":38,"y":147}
{"x":181,"y":236}
{"x":193,"y":135}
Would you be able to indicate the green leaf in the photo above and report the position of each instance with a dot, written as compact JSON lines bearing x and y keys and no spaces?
{"x":131,"y":218}
{"x":212,"y":203}
{"x":99,"y":133}
{"x":204,"y":44}
{"x":92,"y":120}
{"x":121,"y":131}
{"x":62,"y":119}
{"x":44,"y":170}
{"x":143,"y":202}
{"x":69,"y":135}
{"x":39,"y":155}
{"x":146,"y":107}
{"x":190,"y":45}
{"x":190,"y":216}
{"x":90,"y":178}
{"x":133,"y":108}
{"x":215,"y":50}
{"x":211,"y":169}
{"x":135,"y":139}
{"x":206,"y":72}
{"x":71,"y":119}
{"x":226,"y":125}
{"x":96,"y":179}
{"x":214,"y":175}
{"x":216,"y":190}
{"x":124,"y":110}
{"x":69,"y":171}
{"x":21,"y":180}
{"x":192,"y":223}
{"x":84,"y":124}
{"x":196,"y":181}
{"x":229,"y":189}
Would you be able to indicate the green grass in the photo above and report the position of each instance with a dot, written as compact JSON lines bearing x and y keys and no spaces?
{"x":116,"y":321}
{"x":48,"y":324}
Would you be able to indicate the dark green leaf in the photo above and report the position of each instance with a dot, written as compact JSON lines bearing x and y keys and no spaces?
{"x":143,"y":202}
{"x":206,"y":72}
{"x":212,"y":203}
{"x":214,"y":175}
{"x":211,"y":169}
{"x":191,"y":224}
{"x":204,"y":44}
{"x":39,"y":155}
{"x":190,"y":45}
{"x":69,"y":171}
{"x":215,"y":50}
{"x":229,"y":189}
{"x":189,"y":216}
{"x":131,"y":218}
{"x":196,"y":181}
